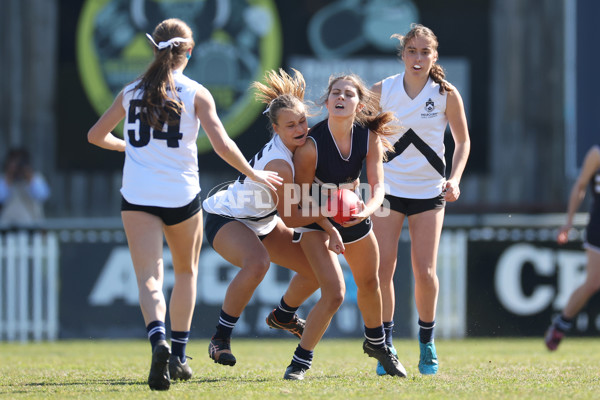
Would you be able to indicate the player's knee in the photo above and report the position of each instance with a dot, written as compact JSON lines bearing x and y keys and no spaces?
{"x":425,"y":276}
{"x":256,"y":268}
{"x":368,"y":284}
{"x":593,"y":286}
{"x":335,"y":300}
{"x":190,"y":275}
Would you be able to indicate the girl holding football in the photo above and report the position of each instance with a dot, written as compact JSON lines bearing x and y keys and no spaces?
{"x":334,"y":155}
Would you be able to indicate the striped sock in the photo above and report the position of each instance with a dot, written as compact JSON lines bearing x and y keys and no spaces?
{"x":156,"y":332}
{"x":225,"y":326}
{"x":284,"y":313}
{"x":302,"y":358}
{"x":179,"y":341}
{"x":426,"y":331}
{"x":375,"y":336}
{"x":388,"y":328}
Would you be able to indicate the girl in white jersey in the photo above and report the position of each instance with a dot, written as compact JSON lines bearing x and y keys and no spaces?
{"x":246,"y":223}
{"x":416,"y":184}
{"x":160,"y":191}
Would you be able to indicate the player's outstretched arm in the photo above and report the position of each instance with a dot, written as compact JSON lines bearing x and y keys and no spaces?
{"x":224,"y":146}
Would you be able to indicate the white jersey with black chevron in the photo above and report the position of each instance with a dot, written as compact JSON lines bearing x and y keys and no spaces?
{"x":247,"y":201}
{"x":161,"y":168}
{"x":416,"y":170}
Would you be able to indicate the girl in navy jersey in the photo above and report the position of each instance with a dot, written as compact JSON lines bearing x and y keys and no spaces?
{"x":334,"y":155}
{"x":251,"y":234}
{"x":163,"y":111}
{"x":589,"y":175}
{"x":416,"y":185}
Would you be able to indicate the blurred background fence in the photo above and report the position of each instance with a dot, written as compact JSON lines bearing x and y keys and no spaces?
{"x":500,"y":275}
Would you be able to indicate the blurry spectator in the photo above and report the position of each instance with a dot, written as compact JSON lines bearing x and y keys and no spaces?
{"x":22,"y":191}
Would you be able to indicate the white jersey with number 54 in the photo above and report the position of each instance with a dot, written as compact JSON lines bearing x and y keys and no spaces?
{"x":161,"y":167}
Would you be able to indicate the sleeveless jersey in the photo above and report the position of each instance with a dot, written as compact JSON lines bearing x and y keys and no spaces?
{"x":331,"y":166}
{"x":333,"y":169}
{"x":247,"y":201}
{"x":593,"y":227}
{"x":417,"y":169}
{"x":161,"y":167}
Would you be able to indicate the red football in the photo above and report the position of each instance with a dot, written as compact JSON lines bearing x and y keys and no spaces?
{"x":343,"y":204}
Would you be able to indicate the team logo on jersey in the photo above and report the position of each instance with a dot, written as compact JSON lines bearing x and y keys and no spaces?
{"x":429,"y":105}
{"x":429,"y":110}
{"x":235,"y":43}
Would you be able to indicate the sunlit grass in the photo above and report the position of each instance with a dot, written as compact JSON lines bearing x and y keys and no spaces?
{"x":469,"y":369}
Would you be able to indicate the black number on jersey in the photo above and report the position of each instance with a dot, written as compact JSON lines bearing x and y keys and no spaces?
{"x":256,"y":157}
{"x":172,"y":135}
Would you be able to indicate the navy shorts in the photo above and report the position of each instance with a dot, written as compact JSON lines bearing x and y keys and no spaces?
{"x":349,"y":235}
{"x":592,"y":231}
{"x":169,"y":216}
{"x":214,"y":222}
{"x":414,"y":206}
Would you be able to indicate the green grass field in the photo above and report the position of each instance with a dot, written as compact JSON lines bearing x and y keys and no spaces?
{"x":469,"y":369}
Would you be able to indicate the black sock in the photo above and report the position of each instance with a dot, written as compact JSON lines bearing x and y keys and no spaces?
{"x":225,"y":326}
{"x":179,"y":341}
{"x":375,"y":336}
{"x":156,"y":332}
{"x":388,"y":328}
{"x":426,"y":331}
{"x":284,"y":313}
{"x":563,"y":324}
{"x":302,"y":358}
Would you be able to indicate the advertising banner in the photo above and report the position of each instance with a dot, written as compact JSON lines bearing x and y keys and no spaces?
{"x":99,"y":295}
{"x":519,"y":278}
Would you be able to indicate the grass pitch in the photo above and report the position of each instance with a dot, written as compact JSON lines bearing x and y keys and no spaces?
{"x":469,"y":369}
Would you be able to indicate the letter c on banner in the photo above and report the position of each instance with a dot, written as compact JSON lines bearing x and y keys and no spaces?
{"x":507,"y":280}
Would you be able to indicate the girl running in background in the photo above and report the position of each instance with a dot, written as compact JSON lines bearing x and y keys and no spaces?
{"x":589,"y":175}
{"x":161,"y":190}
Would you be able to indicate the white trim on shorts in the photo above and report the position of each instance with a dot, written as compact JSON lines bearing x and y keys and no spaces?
{"x":303,"y":229}
{"x":591,"y":247}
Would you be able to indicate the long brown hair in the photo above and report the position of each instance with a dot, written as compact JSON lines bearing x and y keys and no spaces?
{"x":436,"y":73}
{"x":158,"y":105}
{"x":381,"y":123}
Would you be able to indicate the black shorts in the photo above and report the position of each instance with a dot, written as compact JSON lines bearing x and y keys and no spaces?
{"x":214,"y":222}
{"x":414,"y":206}
{"x":169,"y":216}
{"x":349,"y":235}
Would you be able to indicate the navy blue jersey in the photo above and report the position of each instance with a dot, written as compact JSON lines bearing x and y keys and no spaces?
{"x":595,"y":188}
{"x":593,"y":227}
{"x":331,"y":166}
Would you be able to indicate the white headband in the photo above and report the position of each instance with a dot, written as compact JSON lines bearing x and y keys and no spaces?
{"x":169,"y":43}
{"x":268,"y":107}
